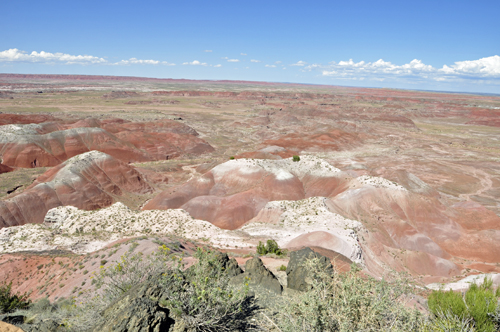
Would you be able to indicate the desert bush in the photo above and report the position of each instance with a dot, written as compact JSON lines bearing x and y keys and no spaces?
{"x":479,"y":304}
{"x":296,"y":158}
{"x":60,"y":311}
{"x":271,"y":247}
{"x":131,"y":270}
{"x":202,"y":297}
{"x":282,"y":268}
{"x":347,"y":302}
{"x":10,"y":302}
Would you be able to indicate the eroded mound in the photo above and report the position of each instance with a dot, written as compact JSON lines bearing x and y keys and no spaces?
{"x":332,"y":140}
{"x":50,"y":143}
{"x":88,"y":181}
{"x":234,"y":192}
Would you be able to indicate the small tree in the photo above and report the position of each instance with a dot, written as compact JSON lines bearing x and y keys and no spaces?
{"x":271,"y":247}
{"x":261,"y":249}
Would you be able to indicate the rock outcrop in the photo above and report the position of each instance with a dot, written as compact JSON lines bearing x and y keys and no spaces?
{"x":298,"y":272}
{"x":258,"y":277}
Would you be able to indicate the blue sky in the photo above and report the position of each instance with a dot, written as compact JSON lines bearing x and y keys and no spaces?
{"x":434,"y":45}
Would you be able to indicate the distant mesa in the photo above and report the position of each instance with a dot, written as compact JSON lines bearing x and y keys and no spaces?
{"x":89,"y":181}
{"x":50,"y":143}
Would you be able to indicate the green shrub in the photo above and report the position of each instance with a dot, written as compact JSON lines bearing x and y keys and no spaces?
{"x":296,"y":158}
{"x":232,"y":157}
{"x":10,"y":302}
{"x":282,"y":268}
{"x":271,"y":247}
{"x":450,"y":301}
{"x":478,"y":304}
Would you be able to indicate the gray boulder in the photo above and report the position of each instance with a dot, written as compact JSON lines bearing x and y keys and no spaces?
{"x":230,"y":265}
{"x":258,"y":277}
{"x":298,"y":274}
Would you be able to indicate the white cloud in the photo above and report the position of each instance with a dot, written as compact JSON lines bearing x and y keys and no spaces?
{"x":253,"y":60}
{"x":484,"y":67}
{"x":243,"y":54}
{"x":350,"y":69}
{"x":195,"y":63}
{"x":233,"y":60}
{"x":271,"y":66}
{"x":300,"y":63}
{"x":208,"y":51}
{"x":134,"y":61}
{"x":277,"y":62}
{"x":217,"y":66}
{"x":15,"y":55}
